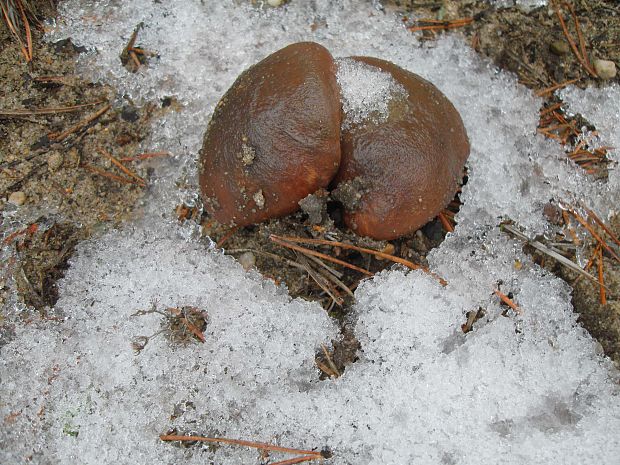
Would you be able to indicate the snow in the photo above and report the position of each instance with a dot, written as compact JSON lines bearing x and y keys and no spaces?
{"x":518,"y":389}
{"x":523,"y":4}
{"x":366,"y":92}
{"x":600,"y":107}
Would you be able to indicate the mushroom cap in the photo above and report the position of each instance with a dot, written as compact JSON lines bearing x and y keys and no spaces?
{"x":410,"y":164}
{"x":274,"y":137}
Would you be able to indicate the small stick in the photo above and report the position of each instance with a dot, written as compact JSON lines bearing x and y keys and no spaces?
{"x":504,"y":298}
{"x":445,"y":222}
{"x":27,"y":29}
{"x":582,"y":43}
{"x":325,"y":369}
{"x":548,"y":251}
{"x":59,"y":137}
{"x":303,"y":250}
{"x":591,"y":230}
{"x":320,"y":280}
{"x":103,"y":173}
{"x":122,"y":167}
{"x":547,"y":90}
{"x":377,"y":253}
{"x":194,"y":330}
{"x":144,"y":156}
{"x":572,"y":44}
{"x":227,"y":236}
{"x":600,"y":277}
{"x":239,"y":442}
{"x":47,"y":111}
{"x":598,"y":221}
{"x":330,"y":362}
{"x":571,"y":231}
{"x":550,"y":109}
{"x":12,"y":26}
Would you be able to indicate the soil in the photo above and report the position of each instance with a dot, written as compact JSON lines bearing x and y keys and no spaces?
{"x":73,"y":190}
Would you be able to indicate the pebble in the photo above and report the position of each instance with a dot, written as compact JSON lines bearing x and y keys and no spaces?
{"x":605,"y":69}
{"x":17,"y":198}
{"x":559,"y":47}
{"x":247,"y":260}
{"x":54,"y":161}
{"x":275,"y":3}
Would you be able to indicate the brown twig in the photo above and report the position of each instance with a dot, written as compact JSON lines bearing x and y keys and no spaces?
{"x":508,"y":301}
{"x":555,"y":87}
{"x":594,"y":234}
{"x":283,"y":242}
{"x":122,"y":167}
{"x":59,"y":137}
{"x":240,"y":442}
{"x":227,"y":236}
{"x":325,"y":369}
{"x":600,"y":278}
{"x":193,"y":329}
{"x":598,"y":221}
{"x":377,"y":253}
{"x":445,"y":222}
{"x":330,"y":362}
{"x":47,"y":111}
{"x":438,"y":25}
{"x":570,"y":40}
{"x":100,"y":172}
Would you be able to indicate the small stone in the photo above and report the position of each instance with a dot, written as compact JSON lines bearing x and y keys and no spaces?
{"x":559,"y":47}
{"x":275,"y":3}
{"x":54,"y":161}
{"x":17,"y":198}
{"x":247,"y":260}
{"x":605,"y":69}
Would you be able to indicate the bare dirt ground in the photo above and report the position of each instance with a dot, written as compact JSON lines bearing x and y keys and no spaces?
{"x":71,"y":168}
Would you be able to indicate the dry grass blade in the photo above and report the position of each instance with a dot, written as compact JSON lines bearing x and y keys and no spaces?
{"x":122,"y":167}
{"x":548,"y":251}
{"x":438,"y":25}
{"x":445,"y":222}
{"x":555,"y":87}
{"x":598,"y":221}
{"x":325,"y":369}
{"x":594,"y":234}
{"x":105,"y":174}
{"x":571,"y":42}
{"x":59,"y":137}
{"x":376,"y":253}
{"x":600,"y":278}
{"x":192,"y":328}
{"x":16,"y":19}
{"x":330,"y":362}
{"x":240,"y":442}
{"x":320,"y":280}
{"x":331,"y":274}
{"x":286,"y":243}
{"x":47,"y":111}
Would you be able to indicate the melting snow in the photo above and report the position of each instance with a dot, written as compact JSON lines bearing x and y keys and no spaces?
{"x":518,"y":389}
{"x":366,"y":92}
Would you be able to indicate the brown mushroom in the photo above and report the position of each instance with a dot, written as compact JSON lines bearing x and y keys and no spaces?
{"x":401,"y":168}
{"x":274,"y":137}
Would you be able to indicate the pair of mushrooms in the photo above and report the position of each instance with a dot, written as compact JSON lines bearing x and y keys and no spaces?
{"x":278,"y":136}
